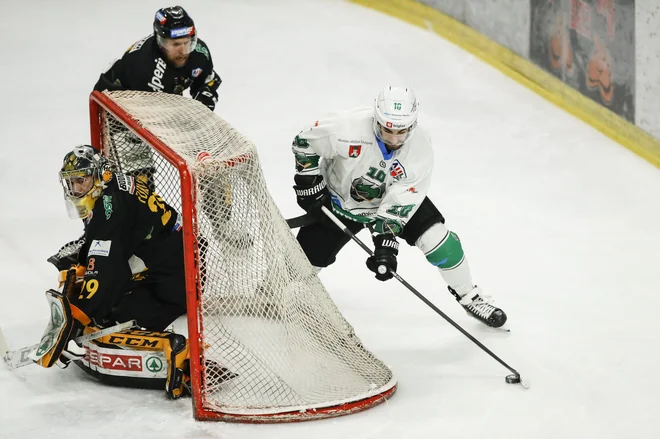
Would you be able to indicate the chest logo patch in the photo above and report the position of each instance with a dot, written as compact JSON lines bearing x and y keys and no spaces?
{"x":354,"y":151}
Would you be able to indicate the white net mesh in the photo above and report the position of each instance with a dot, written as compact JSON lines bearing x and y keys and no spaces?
{"x":265,"y":316}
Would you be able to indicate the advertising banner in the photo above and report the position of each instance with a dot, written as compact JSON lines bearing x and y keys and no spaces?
{"x":589,"y":45}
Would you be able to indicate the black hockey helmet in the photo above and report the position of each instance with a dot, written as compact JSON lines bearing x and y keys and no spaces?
{"x":174,"y":22}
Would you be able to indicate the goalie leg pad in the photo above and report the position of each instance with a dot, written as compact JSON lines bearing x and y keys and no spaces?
{"x":178,"y":354}
{"x":136,"y":358}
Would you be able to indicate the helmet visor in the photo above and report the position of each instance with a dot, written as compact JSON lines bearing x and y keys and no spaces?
{"x":78,"y":187}
{"x":76,"y":184}
{"x":177,"y":46}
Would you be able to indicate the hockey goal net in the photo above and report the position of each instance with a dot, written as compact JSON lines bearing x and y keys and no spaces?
{"x":255,"y":304}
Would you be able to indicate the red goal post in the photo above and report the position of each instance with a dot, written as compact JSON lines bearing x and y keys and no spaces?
{"x":260,"y":311}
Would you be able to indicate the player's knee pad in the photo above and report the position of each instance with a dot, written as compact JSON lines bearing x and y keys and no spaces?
{"x":441,"y":247}
{"x":136,"y":358}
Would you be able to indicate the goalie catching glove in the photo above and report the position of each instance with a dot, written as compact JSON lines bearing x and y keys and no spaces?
{"x":68,"y":254}
{"x":384,"y":258}
{"x":312,"y":193}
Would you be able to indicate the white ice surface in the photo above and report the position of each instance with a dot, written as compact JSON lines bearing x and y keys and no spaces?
{"x":560,"y":225}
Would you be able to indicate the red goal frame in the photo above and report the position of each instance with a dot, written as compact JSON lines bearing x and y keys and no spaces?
{"x":99,"y":103}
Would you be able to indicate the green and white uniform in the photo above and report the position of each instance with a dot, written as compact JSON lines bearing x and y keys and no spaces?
{"x":368,"y":183}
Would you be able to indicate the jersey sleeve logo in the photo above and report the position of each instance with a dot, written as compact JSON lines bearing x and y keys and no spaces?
{"x":125,"y":183}
{"x":138,"y":44}
{"x":397,"y":171}
{"x":354,"y":150}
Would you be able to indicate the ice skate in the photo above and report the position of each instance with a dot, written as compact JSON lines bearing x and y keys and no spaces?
{"x":481,"y":307}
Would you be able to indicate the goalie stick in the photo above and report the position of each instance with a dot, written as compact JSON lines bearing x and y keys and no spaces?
{"x":20,"y":357}
{"x":514,"y":378}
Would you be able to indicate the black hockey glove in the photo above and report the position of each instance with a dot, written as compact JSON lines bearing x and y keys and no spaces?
{"x":206,"y":97}
{"x":384,"y":258}
{"x":311,"y":193}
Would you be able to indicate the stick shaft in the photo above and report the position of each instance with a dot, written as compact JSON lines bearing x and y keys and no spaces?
{"x":339,"y":224}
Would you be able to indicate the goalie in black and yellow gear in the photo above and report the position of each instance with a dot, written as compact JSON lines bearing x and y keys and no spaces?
{"x":129,"y":267}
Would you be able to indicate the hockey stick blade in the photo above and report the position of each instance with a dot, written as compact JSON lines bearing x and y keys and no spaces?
{"x":301,"y":221}
{"x":20,"y":357}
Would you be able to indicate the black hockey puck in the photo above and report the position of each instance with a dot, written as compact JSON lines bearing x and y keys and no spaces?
{"x":512,"y":379}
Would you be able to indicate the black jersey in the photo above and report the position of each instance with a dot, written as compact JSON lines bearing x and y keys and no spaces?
{"x":144,"y":68}
{"x":130,"y":232}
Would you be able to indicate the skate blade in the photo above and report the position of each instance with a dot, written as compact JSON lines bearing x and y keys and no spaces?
{"x":483,"y":326}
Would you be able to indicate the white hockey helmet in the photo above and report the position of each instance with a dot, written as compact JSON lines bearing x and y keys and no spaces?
{"x":395,"y":115}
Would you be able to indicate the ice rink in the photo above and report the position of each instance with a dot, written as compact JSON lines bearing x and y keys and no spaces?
{"x":560,"y":225}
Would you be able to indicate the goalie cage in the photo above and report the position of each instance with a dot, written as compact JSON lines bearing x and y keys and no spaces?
{"x":255,"y":303}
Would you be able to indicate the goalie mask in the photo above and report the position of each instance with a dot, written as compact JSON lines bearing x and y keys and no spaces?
{"x":175,"y":34}
{"x":83,"y":176}
{"x":395,"y":115}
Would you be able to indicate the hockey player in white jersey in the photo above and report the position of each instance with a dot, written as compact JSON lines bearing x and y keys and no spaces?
{"x":373,"y":167}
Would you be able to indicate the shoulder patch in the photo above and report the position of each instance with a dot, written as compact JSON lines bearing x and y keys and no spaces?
{"x":201,"y":48}
{"x":138,"y":44}
{"x":354,"y":150}
{"x":125,"y":183}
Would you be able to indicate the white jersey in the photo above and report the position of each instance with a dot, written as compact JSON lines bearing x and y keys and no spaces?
{"x":367,"y":182}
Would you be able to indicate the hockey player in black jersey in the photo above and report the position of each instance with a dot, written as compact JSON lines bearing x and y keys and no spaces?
{"x":132,"y":241}
{"x":170,"y":60}
{"x":129,"y":266}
